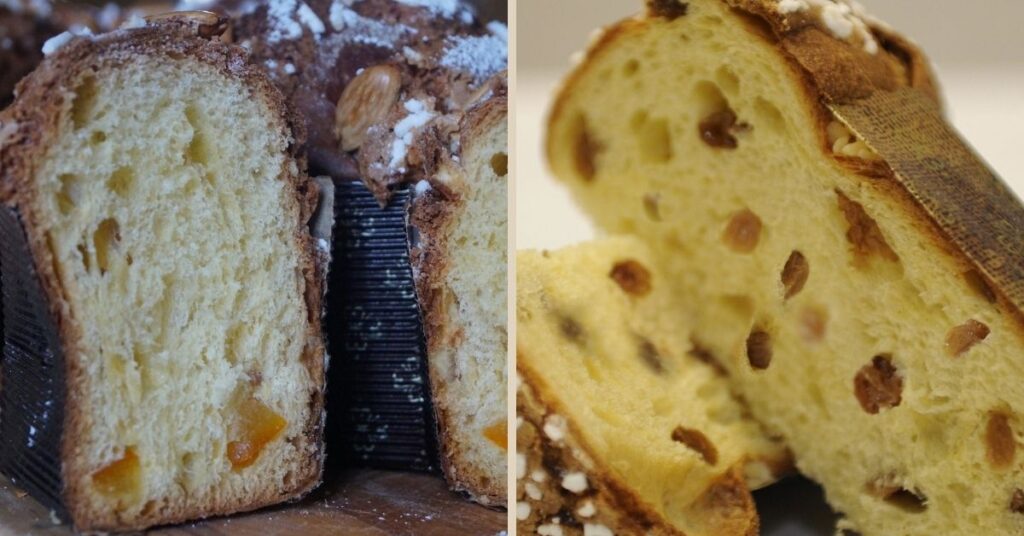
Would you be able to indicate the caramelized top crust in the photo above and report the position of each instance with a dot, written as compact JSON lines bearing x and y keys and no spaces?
{"x":844,"y":70}
{"x":442,"y":59}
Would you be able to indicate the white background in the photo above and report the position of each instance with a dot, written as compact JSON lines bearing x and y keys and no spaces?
{"x":978,"y":50}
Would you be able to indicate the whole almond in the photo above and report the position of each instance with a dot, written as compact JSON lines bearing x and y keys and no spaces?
{"x":206,"y":23}
{"x":365,"y":101}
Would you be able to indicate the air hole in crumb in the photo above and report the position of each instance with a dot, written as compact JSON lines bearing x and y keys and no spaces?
{"x":795,"y":274}
{"x":652,"y":206}
{"x":696,"y":441}
{"x":585,"y":148}
{"x":878,"y":385}
{"x":84,"y":101}
{"x":121,"y":181}
{"x":83,"y":251}
{"x":963,"y":337}
{"x":743,"y":231}
{"x":978,"y":284}
{"x":98,"y":137}
{"x":634,"y":278}
{"x":198,"y":148}
{"x":69,"y":194}
{"x":727,"y":80}
{"x":650,"y":356}
{"x":910,"y":501}
{"x":499,"y":164}
{"x":863,"y":233}
{"x":768,"y":115}
{"x":653,"y":137}
{"x":759,"y":349}
{"x":1000,"y":443}
{"x":630,"y":68}
{"x":105,"y":239}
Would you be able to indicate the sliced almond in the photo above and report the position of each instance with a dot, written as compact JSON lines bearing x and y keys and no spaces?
{"x":365,"y":101}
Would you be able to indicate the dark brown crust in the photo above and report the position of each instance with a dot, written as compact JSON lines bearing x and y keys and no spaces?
{"x":432,"y":214}
{"x":38,"y":114}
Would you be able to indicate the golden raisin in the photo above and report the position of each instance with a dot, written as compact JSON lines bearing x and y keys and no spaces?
{"x":759,"y":349}
{"x":795,"y":274}
{"x":962,"y":338}
{"x":716,"y":129}
{"x":1000,"y":445}
{"x":585,"y":149}
{"x":743,"y":232}
{"x":632,"y":276}
{"x":878,"y":386}
{"x":121,"y":478}
{"x":696,"y":441}
{"x":257,"y":425}
{"x":497,"y":433}
{"x":863,"y":232}
{"x":650,"y":355}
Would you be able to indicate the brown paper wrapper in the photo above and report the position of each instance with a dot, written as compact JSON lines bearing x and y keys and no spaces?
{"x":32,"y":391}
{"x":379,"y":406}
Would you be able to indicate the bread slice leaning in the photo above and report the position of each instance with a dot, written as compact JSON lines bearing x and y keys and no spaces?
{"x":623,"y":428}
{"x":460,"y":265}
{"x":152,"y":172}
{"x":845,"y":316}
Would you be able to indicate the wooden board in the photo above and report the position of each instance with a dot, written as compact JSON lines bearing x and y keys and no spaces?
{"x":354,"y":503}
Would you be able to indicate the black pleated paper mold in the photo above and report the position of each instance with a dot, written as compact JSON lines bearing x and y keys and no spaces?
{"x":379,"y":402}
{"x":32,"y":389}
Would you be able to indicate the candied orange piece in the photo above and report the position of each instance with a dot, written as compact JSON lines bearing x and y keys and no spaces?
{"x":257,"y":425}
{"x":497,"y":433}
{"x":121,"y":478}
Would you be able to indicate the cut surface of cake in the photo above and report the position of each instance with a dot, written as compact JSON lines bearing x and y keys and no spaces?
{"x":623,"y":427}
{"x":460,"y":263}
{"x":842,"y":299}
{"x":151,"y":171}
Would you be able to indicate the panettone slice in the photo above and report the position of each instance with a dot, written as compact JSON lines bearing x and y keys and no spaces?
{"x":862,"y":290}
{"x":172,"y":365}
{"x":459,"y":222}
{"x":625,"y":427}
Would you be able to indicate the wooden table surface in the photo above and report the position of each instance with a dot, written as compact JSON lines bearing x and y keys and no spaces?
{"x":354,"y":503}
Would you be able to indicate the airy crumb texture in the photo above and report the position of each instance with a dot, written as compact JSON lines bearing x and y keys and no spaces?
{"x":852,"y":328}
{"x":167,"y":220}
{"x":462,"y":280}
{"x":626,"y":426}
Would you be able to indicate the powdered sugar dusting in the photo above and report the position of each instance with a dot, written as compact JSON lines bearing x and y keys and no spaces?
{"x":54,"y":43}
{"x":287,"y":17}
{"x":844,"y":19}
{"x":365,"y":30}
{"x":481,"y":56}
{"x":444,"y":8}
{"x":418,"y":116}
{"x":307,"y":17}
